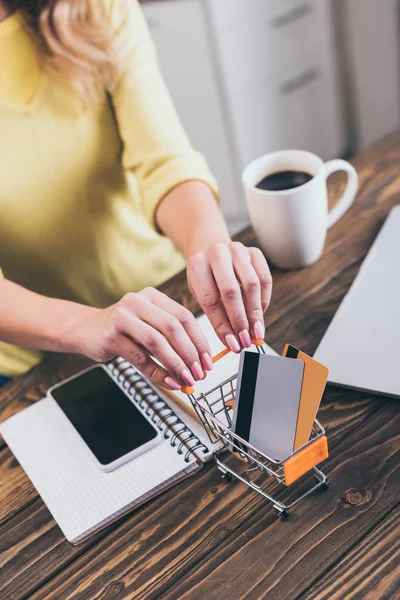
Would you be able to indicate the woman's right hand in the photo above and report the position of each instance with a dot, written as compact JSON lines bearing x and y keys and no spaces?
{"x":144,"y":325}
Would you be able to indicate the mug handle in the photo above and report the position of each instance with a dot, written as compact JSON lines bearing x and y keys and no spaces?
{"x":349,"y":194}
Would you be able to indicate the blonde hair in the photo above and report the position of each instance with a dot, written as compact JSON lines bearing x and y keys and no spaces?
{"x":75,"y":40}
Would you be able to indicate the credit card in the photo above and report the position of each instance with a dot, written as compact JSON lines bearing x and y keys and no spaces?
{"x":267,"y":402}
{"x":314,"y":381}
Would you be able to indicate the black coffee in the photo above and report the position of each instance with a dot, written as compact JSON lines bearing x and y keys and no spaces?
{"x":284,"y":180}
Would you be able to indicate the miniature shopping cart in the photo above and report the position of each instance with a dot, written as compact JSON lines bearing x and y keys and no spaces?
{"x":215,"y":410}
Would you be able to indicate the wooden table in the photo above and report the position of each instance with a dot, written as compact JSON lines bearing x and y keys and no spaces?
{"x":205,"y":540}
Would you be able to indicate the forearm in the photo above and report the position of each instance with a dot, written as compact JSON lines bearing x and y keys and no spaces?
{"x":33,"y":321}
{"x":191,"y":217}
{"x":137,"y":328}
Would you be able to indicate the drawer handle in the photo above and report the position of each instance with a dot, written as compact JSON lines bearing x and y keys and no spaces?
{"x":292,"y":85}
{"x":294,"y":14}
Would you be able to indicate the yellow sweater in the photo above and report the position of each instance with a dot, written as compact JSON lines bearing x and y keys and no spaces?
{"x":79,"y":188}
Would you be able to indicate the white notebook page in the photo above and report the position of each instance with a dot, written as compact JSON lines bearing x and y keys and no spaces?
{"x":80,"y":496}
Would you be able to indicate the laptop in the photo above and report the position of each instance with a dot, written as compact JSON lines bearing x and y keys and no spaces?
{"x":361,"y":346}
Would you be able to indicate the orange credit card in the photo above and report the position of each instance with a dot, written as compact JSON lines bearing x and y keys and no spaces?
{"x":314,"y":381}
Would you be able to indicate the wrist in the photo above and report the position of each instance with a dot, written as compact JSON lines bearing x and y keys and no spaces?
{"x":74,"y":328}
{"x":202,"y":240}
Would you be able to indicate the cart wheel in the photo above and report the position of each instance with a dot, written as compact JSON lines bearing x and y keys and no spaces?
{"x":227,"y":477}
{"x":283,"y":514}
{"x":325,"y":486}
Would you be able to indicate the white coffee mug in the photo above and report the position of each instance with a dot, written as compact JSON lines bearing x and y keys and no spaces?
{"x":291,"y":224}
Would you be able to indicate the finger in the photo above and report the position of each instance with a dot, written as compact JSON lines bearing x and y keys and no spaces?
{"x":207,"y":295}
{"x":173,"y":331}
{"x":188,"y":322}
{"x":251,"y":288}
{"x":154,"y":342}
{"x":142,"y":361}
{"x":229,"y":289}
{"x":264,"y":275}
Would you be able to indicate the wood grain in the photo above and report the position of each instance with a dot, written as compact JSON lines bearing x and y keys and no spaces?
{"x":219,"y":510}
{"x":200,"y":540}
{"x":16,"y":490}
{"x":203,"y":539}
{"x":369,"y":571}
{"x":269,"y":559}
{"x":32,"y":536}
{"x":341,"y":412}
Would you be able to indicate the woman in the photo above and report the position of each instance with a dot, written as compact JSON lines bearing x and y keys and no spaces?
{"x":102,"y":198}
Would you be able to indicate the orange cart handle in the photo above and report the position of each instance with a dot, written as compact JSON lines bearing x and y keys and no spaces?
{"x":187,"y":389}
{"x":226,"y":351}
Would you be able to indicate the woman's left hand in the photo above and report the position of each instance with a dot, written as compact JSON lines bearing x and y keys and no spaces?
{"x":233,"y":285}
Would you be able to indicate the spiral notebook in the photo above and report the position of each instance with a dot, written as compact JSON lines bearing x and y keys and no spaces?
{"x":81,"y":497}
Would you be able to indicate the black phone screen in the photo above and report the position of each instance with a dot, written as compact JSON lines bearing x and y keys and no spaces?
{"x":103,"y":415}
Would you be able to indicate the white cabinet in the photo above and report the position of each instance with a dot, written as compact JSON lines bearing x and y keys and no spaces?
{"x":259,"y":38}
{"x":298,"y":108}
{"x":369,"y":34}
{"x":249,"y":77}
{"x":278,"y":66}
{"x":179,"y":30}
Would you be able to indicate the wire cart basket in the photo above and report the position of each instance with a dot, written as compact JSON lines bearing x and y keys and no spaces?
{"x":215,"y":410}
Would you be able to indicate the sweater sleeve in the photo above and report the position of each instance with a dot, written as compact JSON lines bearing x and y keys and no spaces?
{"x":155,"y":145}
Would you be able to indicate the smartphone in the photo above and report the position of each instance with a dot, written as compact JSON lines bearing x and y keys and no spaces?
{"x":106,"y":419}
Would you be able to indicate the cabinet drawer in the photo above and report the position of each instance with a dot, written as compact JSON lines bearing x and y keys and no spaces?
{"x":271,"y":44}
{"x":231,"y":13}
{"x":300,"y":110}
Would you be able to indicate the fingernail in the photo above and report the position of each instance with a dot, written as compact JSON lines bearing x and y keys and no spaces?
{"x":259,"y":330}
{"x":207,"y":361}
{"x":197,"y":371}
{"x":244,"y":337}
{"x":187,"y":377}
{"x":172,"y":383}
{"x":232,"y":343}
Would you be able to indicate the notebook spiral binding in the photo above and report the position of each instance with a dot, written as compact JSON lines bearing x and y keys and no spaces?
{"x":162,"y":415}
